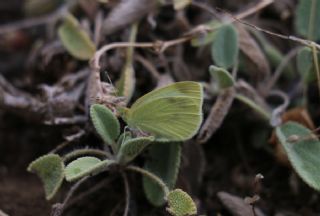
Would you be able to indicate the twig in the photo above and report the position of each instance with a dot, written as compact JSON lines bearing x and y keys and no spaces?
{"x":207,"y":8}
{"x":127,"y":189}
{"x":78,"y":119}
{"x":159,"y":46}
{"x":262,"y":4}
{"x":286,"y":37}
{"x":32,"y":22}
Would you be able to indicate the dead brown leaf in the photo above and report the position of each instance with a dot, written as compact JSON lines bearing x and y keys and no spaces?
{"x":217,"y":114}
{"x":253,"y":52}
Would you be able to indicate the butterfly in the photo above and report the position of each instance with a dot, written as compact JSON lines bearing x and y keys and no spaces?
{"x":171,"y":113}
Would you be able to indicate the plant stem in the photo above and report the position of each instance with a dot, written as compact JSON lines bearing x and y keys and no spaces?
{"x":58,"y":208}
{"x":312,"y":19}
{"x":254,"y":106}
{"x":80,"y":152}
{"x":127,"y":189}
{"x":152,"y":176}
{"x":276,"y":75}
{"x":316,"y":64}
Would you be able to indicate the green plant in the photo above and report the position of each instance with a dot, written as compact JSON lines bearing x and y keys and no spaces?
{"x":303,"y":150}
{"x":177,"y":107}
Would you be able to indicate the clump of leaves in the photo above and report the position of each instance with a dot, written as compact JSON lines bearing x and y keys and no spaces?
{"x":158,"y":119}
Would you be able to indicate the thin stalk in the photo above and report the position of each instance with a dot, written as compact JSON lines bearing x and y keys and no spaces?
{"x":81,"y":152}
{"x":59,"y":208}
{"x":151,"y":176}
{"x":316,"y":64}
{"x":312,"y":19}
{"x":127,"y":189}
{"x":281,"y":68}
{"x":265,"y":114}
{"x":132,"y":39}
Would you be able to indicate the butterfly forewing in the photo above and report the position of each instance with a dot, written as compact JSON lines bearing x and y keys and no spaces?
{"x":186,"y":88}
{"x":173,"y":113}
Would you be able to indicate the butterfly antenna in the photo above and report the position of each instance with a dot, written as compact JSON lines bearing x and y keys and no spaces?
{"x":110,"y":81}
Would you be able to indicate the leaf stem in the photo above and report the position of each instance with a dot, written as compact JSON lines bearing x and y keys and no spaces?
{"x":127,"y":189}
{"x":254,"y":106}
{"x":316,"y":64}
{"x":58,"y":208}
{"x":81,"y":152}
{"x":312,"y":19}
{"x":152,"y":176}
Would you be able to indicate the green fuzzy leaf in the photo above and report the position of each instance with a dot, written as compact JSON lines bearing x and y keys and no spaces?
{"x":221,"y":76}
{"x":164,"y":161}
{"x":76,"y":40}
{"x":180,"y":203}
{"x":303,"y":153}
{"x":105,"y":122}
{"x":85,"y":166}
{"x":308,"y":19}
{"x":50,"y":169}
{"x":225,"y":47}
{"x":132,"y":148}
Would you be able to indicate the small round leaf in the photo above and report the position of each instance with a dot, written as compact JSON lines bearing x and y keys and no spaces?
{"x":225,"y":47}
{"x":180,"y":203}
